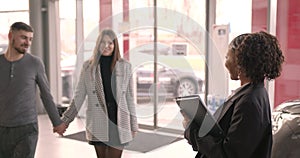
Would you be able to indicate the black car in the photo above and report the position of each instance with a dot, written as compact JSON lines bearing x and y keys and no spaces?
{"x":286,"y":130}
{"x":171,"y":82}
{"x":175,"y":74}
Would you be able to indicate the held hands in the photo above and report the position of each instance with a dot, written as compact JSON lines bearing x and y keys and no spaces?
{"x":60,"y":129}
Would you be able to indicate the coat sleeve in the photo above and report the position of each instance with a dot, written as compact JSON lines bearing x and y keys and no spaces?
{"x":78,"y":99}
{"x":190,"y":135}
{"x":206,"y":146}
{"x":130,"y":100}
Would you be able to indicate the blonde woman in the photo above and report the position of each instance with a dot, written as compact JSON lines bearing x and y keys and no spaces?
{"x":106,"y":80}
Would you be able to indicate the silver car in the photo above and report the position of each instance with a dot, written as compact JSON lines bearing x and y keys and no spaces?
{"x":286,"y":130}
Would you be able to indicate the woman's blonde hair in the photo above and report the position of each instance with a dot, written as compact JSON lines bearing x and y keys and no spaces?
{"x":94,"y":60}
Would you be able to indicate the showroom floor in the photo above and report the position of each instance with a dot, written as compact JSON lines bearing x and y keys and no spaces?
{"x":51,"y":145}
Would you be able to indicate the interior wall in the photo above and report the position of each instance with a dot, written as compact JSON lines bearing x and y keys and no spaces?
{"x":287,"y":86}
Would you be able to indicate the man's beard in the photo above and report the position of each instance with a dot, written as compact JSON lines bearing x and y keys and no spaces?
{"x":20,"y":51}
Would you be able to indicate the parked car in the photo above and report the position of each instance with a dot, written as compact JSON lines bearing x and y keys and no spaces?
{"x":176,"y":73}
{"x":286,"y":130}
{"x":171,"y":82}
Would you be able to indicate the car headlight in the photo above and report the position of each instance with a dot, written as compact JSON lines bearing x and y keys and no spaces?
{"x":279,"y":119}
{"x":277,"y":122}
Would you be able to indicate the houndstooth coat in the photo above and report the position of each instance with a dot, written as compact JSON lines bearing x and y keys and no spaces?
{"x":90,"y":86}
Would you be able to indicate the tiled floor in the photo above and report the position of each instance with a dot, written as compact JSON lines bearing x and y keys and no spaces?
{"x":51,"y":145}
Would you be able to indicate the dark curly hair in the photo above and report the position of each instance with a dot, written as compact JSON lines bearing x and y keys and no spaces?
{"x":258,"y":55}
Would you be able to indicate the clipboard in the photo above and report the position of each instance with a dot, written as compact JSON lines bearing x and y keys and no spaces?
{"x":197,"y":111}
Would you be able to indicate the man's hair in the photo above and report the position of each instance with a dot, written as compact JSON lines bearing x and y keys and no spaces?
{"x":21,"y":26}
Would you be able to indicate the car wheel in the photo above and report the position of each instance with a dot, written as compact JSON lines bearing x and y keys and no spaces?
{"x":186,"y":87}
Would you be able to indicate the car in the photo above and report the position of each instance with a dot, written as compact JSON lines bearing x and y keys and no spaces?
{"x":286,"y":130}
{"x":176,"y":76}
{"x":3,"y":47}
{"x":171,"y":82}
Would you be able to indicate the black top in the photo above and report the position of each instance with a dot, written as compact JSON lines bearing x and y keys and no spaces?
{"x":109,"y":86}
{"x":107,"y":80}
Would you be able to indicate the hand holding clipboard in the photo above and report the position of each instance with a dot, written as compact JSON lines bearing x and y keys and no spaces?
{"x":193,"y":109}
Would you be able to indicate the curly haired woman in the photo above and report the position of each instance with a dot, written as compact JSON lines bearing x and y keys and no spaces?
{"x":245,"y":117}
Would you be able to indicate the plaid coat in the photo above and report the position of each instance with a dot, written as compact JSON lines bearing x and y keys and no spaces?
{"x":90,"y":87}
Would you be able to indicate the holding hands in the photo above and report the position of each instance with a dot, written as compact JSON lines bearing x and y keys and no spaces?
{"x":60,"y":129}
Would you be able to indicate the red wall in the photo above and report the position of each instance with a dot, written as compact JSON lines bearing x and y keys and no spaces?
{"x":259,"y":15}
{"x":287,"y":86}
{"x":105,"y":14}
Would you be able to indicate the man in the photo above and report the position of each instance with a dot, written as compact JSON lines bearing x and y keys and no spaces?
{"x":21,"y":73}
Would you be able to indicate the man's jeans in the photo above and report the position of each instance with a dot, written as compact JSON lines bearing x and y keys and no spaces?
{"x":18,"y":142}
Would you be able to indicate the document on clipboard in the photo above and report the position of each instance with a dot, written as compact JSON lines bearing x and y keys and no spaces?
{"x":196,"y":110}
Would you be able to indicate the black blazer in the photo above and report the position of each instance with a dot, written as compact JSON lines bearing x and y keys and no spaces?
{"x":246,"y":120}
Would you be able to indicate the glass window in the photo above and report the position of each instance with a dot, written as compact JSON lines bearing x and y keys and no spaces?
{"x":69,"y":55}
{"x":10,"y":13}
{"x":180,"y":41}
{"x":67,"y":16}
{"x":239,"y":20}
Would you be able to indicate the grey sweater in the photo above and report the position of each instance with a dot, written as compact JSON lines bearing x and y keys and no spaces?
{"x":18,"y":88}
